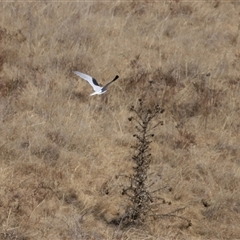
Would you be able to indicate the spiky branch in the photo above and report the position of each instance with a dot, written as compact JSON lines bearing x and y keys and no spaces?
{"x":138,"y":192}
{"x":143,"y":202}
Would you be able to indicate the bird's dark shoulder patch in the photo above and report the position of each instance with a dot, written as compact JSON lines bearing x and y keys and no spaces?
{"x":95,"y":81}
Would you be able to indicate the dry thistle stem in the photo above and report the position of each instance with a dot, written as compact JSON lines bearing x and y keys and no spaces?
{"x":138,"y":193}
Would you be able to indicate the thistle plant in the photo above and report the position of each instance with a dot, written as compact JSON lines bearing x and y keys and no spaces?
{"x":138,"y":193}
{"x":143,"y":203}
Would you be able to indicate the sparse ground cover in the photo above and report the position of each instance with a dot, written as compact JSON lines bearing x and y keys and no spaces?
{"x":62,"y":152}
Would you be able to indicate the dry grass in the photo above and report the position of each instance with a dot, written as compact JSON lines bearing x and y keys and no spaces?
{"x":60,"y":149}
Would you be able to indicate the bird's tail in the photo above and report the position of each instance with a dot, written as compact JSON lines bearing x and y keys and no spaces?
{"x":93,"y":93}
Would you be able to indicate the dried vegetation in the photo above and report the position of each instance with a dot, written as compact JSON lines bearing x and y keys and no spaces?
{"x":62,"y":152}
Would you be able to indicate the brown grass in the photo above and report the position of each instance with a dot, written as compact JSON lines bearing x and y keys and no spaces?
{"x":60,"y":149}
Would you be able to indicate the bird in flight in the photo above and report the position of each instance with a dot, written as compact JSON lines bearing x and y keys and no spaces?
{"x":93,"y":82}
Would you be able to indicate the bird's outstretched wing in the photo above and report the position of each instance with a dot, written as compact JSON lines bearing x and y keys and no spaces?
{"x":92,"y":81}
{"x":105,"y":87}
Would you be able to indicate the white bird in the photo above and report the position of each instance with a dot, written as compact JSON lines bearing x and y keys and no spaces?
{"x":93,"y":82}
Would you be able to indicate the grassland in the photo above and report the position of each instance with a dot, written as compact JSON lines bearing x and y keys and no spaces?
{"x":61,"y":150}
